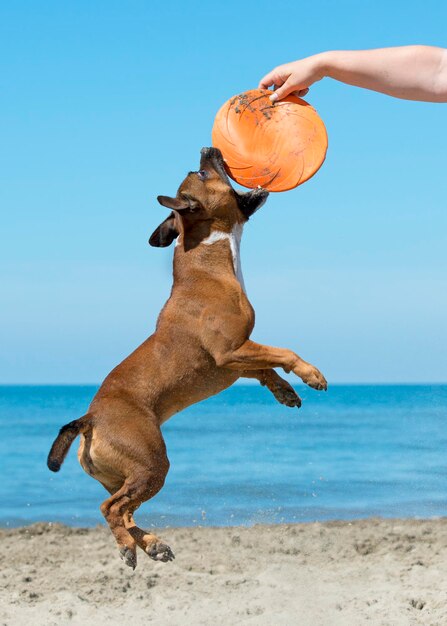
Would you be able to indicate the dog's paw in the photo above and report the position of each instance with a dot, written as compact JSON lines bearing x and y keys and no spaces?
{"x":311,"y":376}
{"x":286,"y":394}
{"x":129,"y":557}
{"x":160,"y":552}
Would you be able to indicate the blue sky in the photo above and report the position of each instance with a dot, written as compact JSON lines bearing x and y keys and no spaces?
{"x":105,"y":105}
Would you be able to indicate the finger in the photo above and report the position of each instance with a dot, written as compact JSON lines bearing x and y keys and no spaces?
{"x":268,"y":80}
{"x":301,"y":92}
{"x":283,"y":91}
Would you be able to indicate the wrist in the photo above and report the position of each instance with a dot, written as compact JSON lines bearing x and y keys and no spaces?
{"x":324,"y":64}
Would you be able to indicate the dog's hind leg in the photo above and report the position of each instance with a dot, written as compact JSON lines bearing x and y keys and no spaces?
{"x":138,"y":454}
{"x":113,"y":510}
{"x":118,"y":512}
{"x":149,"y":542}
{"x":280,"y":388}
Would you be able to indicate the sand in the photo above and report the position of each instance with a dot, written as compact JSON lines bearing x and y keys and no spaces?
{"x":387,"y":572}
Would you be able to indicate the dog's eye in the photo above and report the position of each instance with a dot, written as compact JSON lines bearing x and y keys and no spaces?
{"x":202,"y":174}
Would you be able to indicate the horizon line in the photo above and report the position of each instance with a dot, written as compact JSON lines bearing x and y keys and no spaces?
{"x":244,"y":384}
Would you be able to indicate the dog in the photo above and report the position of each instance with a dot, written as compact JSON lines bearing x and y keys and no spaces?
{"x":200,"y":347}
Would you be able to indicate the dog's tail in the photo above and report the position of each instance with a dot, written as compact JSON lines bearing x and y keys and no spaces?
{"x":65,"y":438}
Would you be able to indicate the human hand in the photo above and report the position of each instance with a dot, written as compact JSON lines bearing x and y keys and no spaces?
{"x":294,"y":77}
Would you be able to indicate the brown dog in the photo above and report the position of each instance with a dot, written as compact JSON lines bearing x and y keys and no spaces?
{"x":200,"y":347}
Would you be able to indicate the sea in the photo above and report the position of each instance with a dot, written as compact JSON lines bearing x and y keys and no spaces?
{"x":240,"y":458}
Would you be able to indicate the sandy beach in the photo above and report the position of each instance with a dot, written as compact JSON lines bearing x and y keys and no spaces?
{"x":384,"y":572}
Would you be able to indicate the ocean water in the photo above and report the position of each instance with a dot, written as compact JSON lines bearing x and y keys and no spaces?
{"x":241,"y":458}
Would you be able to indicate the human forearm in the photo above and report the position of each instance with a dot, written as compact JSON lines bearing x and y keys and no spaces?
{"x":410,"y":72}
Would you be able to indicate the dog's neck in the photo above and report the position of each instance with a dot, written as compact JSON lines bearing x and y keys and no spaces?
{"x":233,"y":237}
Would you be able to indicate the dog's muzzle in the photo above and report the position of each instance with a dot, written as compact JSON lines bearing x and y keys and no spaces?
{"x":213,"y":157}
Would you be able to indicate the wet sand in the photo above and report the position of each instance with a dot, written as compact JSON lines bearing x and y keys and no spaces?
{"x":375,"y":572}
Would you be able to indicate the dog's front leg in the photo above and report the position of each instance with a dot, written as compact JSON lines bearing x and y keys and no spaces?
{"x":254,"y":356}
{"x":280,"y":388}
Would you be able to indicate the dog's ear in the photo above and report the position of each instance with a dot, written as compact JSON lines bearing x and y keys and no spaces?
{"x":251,"y":201}
{"x":179,"y":204}
{"x":165,"y":234}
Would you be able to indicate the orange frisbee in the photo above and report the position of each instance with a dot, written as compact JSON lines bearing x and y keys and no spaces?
{"x":277,"y":146}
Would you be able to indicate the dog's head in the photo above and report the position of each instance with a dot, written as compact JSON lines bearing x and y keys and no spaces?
{"x":206,"y":197}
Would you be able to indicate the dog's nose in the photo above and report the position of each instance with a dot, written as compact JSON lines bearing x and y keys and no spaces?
{"x":211,"y":153}
{"x":211,"y":158}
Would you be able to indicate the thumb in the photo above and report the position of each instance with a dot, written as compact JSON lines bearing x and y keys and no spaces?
{"x":283,"y":91}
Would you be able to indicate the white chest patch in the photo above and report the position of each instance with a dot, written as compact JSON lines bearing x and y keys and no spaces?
{"x":234,"y":239}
